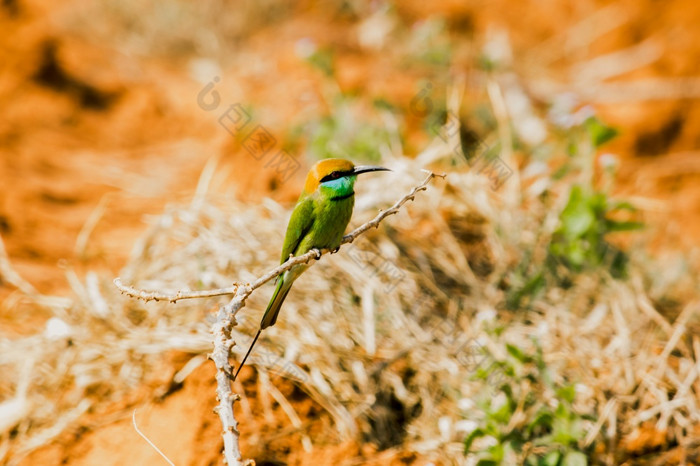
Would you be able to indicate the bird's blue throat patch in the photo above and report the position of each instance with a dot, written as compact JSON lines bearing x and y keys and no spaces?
{"x":339,"y":189}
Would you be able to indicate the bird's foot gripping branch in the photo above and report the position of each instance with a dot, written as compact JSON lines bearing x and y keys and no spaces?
{"x":226,"y":317}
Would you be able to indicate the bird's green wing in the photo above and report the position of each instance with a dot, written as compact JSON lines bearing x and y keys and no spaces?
{"x":300,"y":224}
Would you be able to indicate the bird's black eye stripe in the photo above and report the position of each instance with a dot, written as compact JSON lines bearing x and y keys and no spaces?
{"x":334,"y":175}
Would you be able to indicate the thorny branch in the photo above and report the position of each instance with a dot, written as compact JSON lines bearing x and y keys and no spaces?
{"x":156,"y":296}
{"x":226,"y":319}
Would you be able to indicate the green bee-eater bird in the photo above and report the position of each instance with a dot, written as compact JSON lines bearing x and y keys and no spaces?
{"x":318,"y":221}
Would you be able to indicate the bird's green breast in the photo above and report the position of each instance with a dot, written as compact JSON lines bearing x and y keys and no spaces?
{"x":330,"y":219}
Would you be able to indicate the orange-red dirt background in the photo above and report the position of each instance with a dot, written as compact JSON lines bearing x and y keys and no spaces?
{"x":98,"y":126}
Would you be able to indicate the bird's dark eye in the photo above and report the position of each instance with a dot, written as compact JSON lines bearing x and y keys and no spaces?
{"x":334,"y":175}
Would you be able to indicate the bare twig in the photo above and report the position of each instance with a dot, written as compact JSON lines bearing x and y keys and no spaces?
{"x":8,"y":274}
{"x":89,"y":226}
{"x":226,"y":320}
{"x":157,"y":296}
{"x":149,"y":441}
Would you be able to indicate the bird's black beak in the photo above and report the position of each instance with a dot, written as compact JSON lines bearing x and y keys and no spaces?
{"x":368,"y":168}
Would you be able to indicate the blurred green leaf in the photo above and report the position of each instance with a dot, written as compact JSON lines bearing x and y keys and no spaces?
{"x":552,"y":458}
{"x":323,"y":60}
{"x":488,"y":462}
{"x":383,"y":104}
{"x":575,"y":458}
{"x":475,"y":434}
{"x":599,"y":132}
{"x":567,"y":392}
{"x":623,"y":226}
{"x":623,"y":205}
{"x":504,"y":413}
{"x":580,"y":242}
{"x":577,"y":216}
{"x":518,"y":354}
{"x":542,"y":419}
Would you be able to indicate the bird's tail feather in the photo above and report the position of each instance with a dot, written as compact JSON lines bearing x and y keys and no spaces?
{"x":273,"y":309}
